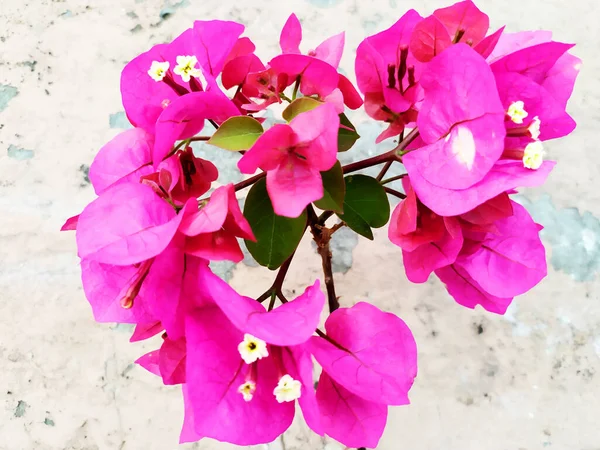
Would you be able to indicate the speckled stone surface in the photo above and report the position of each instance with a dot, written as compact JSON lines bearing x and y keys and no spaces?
{"x":529,"y":380}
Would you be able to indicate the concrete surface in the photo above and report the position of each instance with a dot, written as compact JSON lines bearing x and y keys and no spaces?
{"x":526,"y":381}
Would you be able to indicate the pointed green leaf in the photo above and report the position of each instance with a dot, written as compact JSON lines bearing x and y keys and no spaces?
{"x":276,"y":237}
{"x":366,"y":205}
{"x":298,"y":106}
{"x":347,"y":134}
{"x":237,"y":133}
{"x":334,"y":189}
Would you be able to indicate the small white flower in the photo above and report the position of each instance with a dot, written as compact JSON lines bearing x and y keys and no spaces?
{"x":158,"y":70}
{"x":252,"y":349}
{"x":534,"y":128}
{"x":533,"y":157}
{"x":247,"y":390}
{"x":287,"y":389}
{"x":516,"y":112}
{"x":186,"y":69}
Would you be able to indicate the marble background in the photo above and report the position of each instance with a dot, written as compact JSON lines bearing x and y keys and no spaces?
{"x":525,"y":381}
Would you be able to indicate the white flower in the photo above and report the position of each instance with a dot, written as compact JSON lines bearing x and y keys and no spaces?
{"x":185,"y":68}
{"x":158,"y":70}
{"x":252,"y":349}
{"x":287,"y":389}
{"x":516,"y":112}
{"x":534,"y":128}
{"x":533,"y":157}
{"x":247,"y":390}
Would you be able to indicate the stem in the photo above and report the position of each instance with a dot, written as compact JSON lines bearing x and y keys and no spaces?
{"x":392,"y":155}
{"x":384,"y":170}
{"x":389,"y":180}
{"x":214,"y":124}
{"x":285,"y":97}
{"x":275,"y":290}
{"x":296,"y":86}
{"x":395,"y":193}
{"x":249,"y":182}
{"x":199,"y":138}
{"x":322,"y":236}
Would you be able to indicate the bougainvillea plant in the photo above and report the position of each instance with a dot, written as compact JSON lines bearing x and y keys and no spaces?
{"x":466,"y":115}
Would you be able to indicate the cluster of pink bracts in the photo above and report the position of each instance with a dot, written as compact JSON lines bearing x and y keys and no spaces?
{"x":482,"y":106}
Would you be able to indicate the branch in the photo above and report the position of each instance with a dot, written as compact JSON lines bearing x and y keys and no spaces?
{"x":394,"y":193}
{"x":249,"y":182}
{"x":322,"y":236}
{"x":275,"y":290}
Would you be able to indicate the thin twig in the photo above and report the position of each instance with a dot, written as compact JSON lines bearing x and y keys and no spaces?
{"x":389,"y":180}
{"x":249,"y":182}
{"x":394,"y":193}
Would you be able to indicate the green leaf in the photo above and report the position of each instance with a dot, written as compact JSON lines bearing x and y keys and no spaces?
{"x":298,"y":106}
{"x":346,"y":137}
{"x":237,"y":133}
{"x":366,"y":205}
{"x":334,"y":189}
{"x":276,"y":237}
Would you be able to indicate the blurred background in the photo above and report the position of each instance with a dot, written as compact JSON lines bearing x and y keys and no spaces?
{"x":524,"y":381}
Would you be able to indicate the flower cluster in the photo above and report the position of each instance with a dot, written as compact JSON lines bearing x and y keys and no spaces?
{"x":478,"y":106}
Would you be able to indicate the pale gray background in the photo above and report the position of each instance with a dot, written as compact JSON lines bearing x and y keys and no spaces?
{"x":528,"y":380}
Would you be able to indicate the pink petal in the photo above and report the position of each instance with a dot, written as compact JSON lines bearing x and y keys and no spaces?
{"x":269,"y":150}
{"x":533,"y":62}
{"x":242,"y":47}
{"x":149,"y":361}
{"x":512,"y":261}
{"x":331,"y":50}
{"x":459,"y":86}
{"x":489,"y":212}
{"x":349,"y":418}
{"x":127,"y":157}
{"x":429,"y":39}
{"x":185,"y":116}
{"x":511,"y":42}
{"x":298,"y":362}
{"x":378,"y":361}
{"x":293,"y":186}
{"x":422,"y":261}
{"x":352,"y":98}
{"x":464,"y":157}
{"x":236,"y":70}
{"x":291,"y":35}
{"x":126,"y":225}
{"x":218,"y":246}
{"x":70,"y":224}
{"x":290,"y":324}
{"x":487,"y":46}
{"x":210,"y":217}
{"x":468,"y":293}
{"x":213,"y":41}
{"x":104,"y":286}
{"x":560,"y":79}
{"x":318,"y":77}
{"x":317,"y":128}
{"x":464,"y":16}
{"x":376,"y":52}
{"x":504,"y":176}
{"x":214,"y":373}
{"x":236,"y":222}
{"x":172,"y":360}
{"x":145,"y":331}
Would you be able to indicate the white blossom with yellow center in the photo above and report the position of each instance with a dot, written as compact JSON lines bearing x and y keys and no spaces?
{"x":158,"y":70}
{"x":516,"y":112}
{"x":252,"y":349}
{"x":533,"y":156}
{"x":534,"y":128}
{"x":287,"y":389}
{"x":247,"y":390}
{"x":186,"y":69}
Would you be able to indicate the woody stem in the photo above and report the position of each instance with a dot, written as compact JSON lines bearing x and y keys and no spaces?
{"x":322,"y":236}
